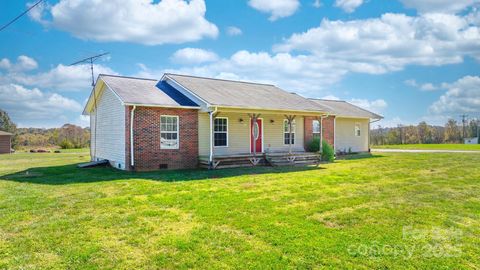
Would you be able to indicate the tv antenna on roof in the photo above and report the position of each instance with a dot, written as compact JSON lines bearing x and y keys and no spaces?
{"x":90,"y":60}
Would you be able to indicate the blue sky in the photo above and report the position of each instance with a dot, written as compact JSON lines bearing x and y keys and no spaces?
{"x":407,"y":60}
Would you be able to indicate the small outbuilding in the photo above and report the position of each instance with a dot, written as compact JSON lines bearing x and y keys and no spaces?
{"x":5,"y":142}
{"x":471,"y":140}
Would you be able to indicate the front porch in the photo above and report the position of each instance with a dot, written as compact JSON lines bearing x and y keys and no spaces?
{"x":260,"y":159}
{"x":244,"y":138}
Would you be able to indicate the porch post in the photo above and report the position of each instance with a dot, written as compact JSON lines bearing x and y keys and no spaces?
{"x":210,"y":158}
{"x":212,"y":115}
{"x":320,"y":120}
{"x":290,"y":119}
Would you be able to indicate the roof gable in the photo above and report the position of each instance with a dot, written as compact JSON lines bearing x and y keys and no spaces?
{"x":238,"y":94}
{"x":139,"y":91}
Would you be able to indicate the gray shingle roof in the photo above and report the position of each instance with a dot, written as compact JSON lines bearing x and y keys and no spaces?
{"x":243,"y":94}
{"x":4,"y":133}
{"x":139,"y":91}
{"x":343,"y":108}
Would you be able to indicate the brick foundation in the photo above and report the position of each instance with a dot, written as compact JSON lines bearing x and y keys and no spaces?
{"x":327,"y":125}
{"x":147,"y":152}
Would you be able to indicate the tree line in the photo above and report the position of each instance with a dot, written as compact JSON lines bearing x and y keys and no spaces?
{"x":66,"y":137}
{"x":424,"y":133}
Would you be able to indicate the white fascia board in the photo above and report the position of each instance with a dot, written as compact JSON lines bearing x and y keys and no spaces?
{"x":98,"y":93}
{"x":197,"y":99}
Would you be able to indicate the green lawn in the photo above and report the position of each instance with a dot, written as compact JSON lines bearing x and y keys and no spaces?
{"x":430,"y":146}
{"x":390,"y":211}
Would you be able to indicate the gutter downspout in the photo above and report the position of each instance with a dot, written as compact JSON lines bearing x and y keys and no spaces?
{"x":369,"y":139}
{"x":210,"y":159}
{"x":335,"y":135}
{"x":132,"y":157}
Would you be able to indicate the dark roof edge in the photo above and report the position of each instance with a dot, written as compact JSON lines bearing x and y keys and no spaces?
{"x":127,"y":77}
{"x":225,"y":80}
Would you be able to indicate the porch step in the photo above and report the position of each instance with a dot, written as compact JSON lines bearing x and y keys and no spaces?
{"x":232,"y":161}
{"x":267,"y":159}
{"x":300,"y":159}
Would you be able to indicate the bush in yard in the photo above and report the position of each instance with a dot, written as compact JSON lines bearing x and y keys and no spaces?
{"x":313,"y":145}
{"x":327,"y":154}
{"x":66,"y":144}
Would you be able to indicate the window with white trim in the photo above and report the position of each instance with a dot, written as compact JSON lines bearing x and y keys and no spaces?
{"x":316,"y":128}
{"x":286,"y":132}
{"x":220,"y":132}
{"x":169,"y":132}
{"x":357,"y":130}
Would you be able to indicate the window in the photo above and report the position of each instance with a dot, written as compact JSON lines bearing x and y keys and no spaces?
{"x":168,"y":132}
{"x":357,"y":130}
{"x":220,"y":132}
{"x":286,"y":132}
{"x":316,"y":128}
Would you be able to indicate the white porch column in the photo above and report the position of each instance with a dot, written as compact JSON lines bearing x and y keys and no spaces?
{"x":212,"y":116}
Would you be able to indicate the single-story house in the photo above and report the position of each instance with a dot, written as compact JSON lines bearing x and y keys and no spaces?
{"x":473,"y":140}
{"x":5,"y":142}
{"x":185,"y":121}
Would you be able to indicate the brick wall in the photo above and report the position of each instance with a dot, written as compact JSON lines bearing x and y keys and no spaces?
{"x":327,"y":126}
{"x":147,"y":152}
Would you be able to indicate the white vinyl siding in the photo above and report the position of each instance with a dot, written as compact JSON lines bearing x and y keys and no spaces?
{"x":345,"y":134}
{"x":110,"y":134}
{"x":239,"y":133}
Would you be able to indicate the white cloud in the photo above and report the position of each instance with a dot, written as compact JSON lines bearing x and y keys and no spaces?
{"x":277,"y":9}
{"x":423,"y":87}
{"x":462,"y":96}
{"x":193,"y":56}
{"x":234,"y":31}
{"x":23,"y":63}
{"x":317,"y":3}
{"x":61,"y":77}
{"x":33,"y":106}
{"x":376,"y":106}
{"x":411,"y":83}
{"x":389,"y":43}
{"x":137,"y":21}
{"x":428,"y":87}
{"x":444,"y":6}
{"x":348,"y":6}
{"x":331,"y":97}
{"x":389,"y":122}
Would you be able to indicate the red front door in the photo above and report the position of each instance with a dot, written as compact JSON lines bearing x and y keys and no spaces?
{"x":256,"y":132}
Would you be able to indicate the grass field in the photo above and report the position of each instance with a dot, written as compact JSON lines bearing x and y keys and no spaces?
{"x":475,"y":147}
{"x":390,"y":211}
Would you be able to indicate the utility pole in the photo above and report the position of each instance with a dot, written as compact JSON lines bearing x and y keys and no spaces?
{"x":464,"y":121}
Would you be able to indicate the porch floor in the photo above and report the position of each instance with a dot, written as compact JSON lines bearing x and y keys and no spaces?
{"x":261,"y":159}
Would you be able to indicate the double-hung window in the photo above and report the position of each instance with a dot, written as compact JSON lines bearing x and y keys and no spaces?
{"x":357,"y":129}
{"x":220,"y":132}
{"x":316,"y":128}
{"x":169,"y":132}
{"x":286,"y":132}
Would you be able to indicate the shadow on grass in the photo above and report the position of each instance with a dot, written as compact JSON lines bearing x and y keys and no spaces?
{"x":358,"y":156}
{"x":69,"y":174}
